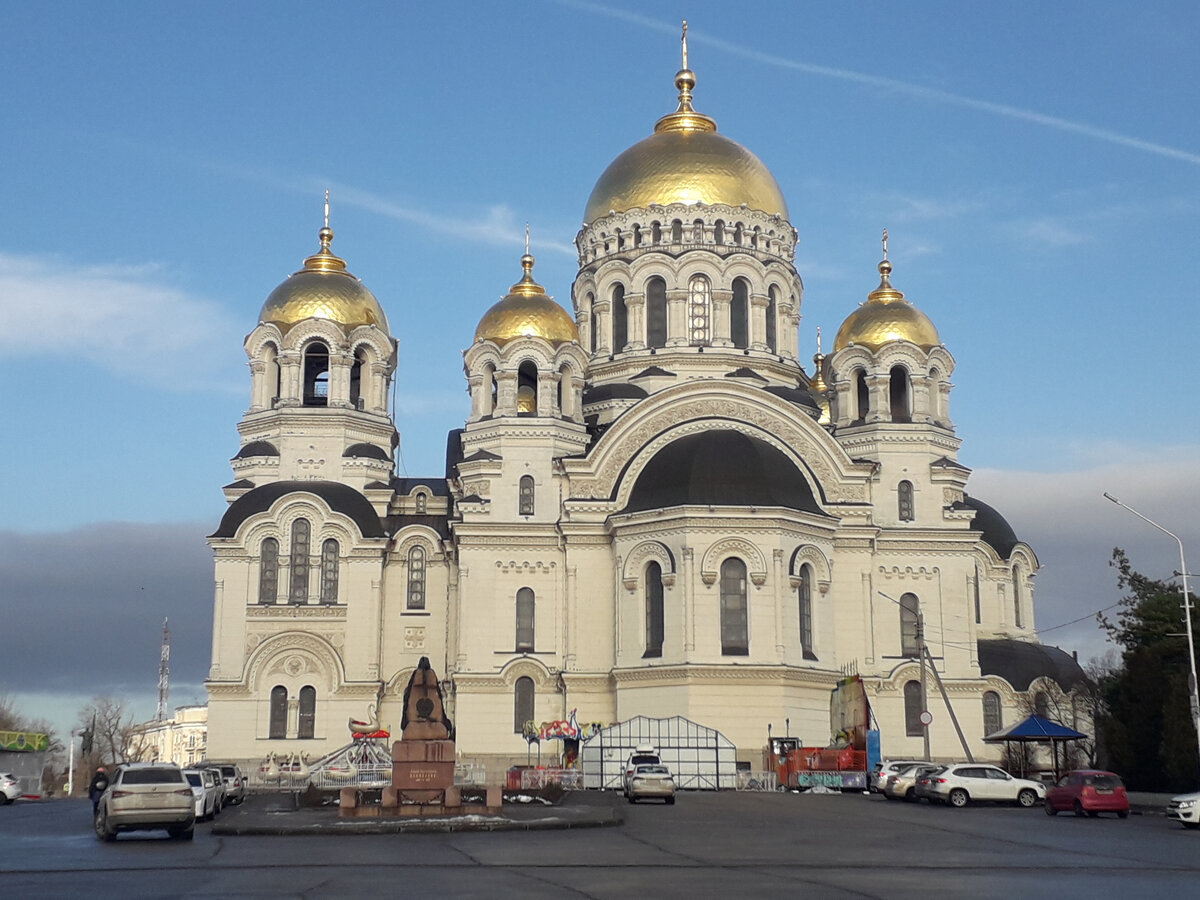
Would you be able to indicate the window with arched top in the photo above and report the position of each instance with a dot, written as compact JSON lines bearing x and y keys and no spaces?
{"x":356,"y":370}
{"x":527,"y":395}
{"x":910,"y":625}
{"x":698,"y":231}
{"x":699,"y":310}
{"x":522,"y":703}
{"x":272,"y":375}
{"x":307,"y":723}
{"x":329,"y":571}
{"x":637,"y":236}
{"x":677,"y":232}
{"x":316,"y":374}
{"x":719,"y":232}
{"x":862,"y":396}
{"x":268,"y":571}
{"x":912,"y":709}
{"x":620,"y":317}
{"x":278,"y":713}
{"x":978,"y":600}
{"x":656,"y":232}
{"x":900,"y":394}
{"x":739,"y":234}
{"x":904,"y":500}
{"x":1016,"y":581}
{"x":594,"y":328}
{"x":993,"y":717}
{"x":804,"y":597}
{"x":656,"y":312}
{"x":735,"y":631}
{"x":298,"y":587}
{"x":422,"y":504}
{"x":525,"y":603}
{"x":935,"y":395}
{"x":739,"y":314}
{"x":772,"y":318}
{"x":525,"y":496}
{"x":1041,"y":704}
{"x":654,"y":610}
{"x":416,"y":578}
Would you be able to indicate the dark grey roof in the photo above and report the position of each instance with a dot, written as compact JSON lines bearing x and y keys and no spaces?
{"x":1020,"y":662}
{"x":997,"y":533}
{"x":454,"y":451}
{"x":482,"y":455}
{"x":798,"y":396}
{"x":437,"y":486}
{"x":237,"y":485}
{"x":947,"y":463}
{"x":340,"y":498}
{"x":654,"y":371}
{"x":474,"y":498}
{"x":721,"y":468}
{"x":440,"y":524}
{"x":744,"y":372}
{"x":366,"y":451}
{"x":257,"y":448}
{"x":613,"y":392}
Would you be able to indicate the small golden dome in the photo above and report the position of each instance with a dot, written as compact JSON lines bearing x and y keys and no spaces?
{"x":526,"y":311}
{"x":685,"y":161}
{"x":323,"y":289}
{"x":885,"y":317}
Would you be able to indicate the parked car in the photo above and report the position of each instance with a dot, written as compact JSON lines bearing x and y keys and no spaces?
{"x":643,"y":755}
{"x":234,"y":781}
{"x":1185,"y":809}
{"x":886,"y":768}
{"x":903,"y":785}
{"x":924,"y":784}
{"x":650,"y":781}
{"x":204,"y":790}
{"x":219,"y":783}
{"x":1088,"y":792}
{"x":959,"y":785}
{"x":10,"y":789}
{"x":143,"y":796}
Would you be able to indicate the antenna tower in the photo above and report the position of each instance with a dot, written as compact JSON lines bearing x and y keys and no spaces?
{"x":164,"y":674}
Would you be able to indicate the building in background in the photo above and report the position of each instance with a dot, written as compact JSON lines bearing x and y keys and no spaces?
{"x":182,"y":738}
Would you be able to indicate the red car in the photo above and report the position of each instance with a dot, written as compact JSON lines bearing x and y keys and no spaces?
{"x":1088,"y":792}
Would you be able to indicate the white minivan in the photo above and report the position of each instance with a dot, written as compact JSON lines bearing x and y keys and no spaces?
{"x":642,"y":755}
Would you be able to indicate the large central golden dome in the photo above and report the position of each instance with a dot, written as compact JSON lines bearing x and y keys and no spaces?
{"x":685,"y":161}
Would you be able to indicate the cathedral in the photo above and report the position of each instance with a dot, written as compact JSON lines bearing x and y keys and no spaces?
{"x":654,"y":506}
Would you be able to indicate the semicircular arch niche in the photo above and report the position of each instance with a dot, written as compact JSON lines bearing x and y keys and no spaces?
{"x":641,"y":555}
{"x":295,"y":654}
{"x":756,"y":563}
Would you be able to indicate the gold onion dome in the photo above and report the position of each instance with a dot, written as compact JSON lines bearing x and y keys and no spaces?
{"x":885,"y":317}
{"x":685,"y":161}
{"x":323,"y":289}
{"x":526,"y":311}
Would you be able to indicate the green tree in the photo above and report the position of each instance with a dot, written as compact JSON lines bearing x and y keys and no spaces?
{"x":1148,"y":730}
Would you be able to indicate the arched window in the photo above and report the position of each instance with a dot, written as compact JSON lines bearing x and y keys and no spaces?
{"x":899,"y":394}
{"x":699,"y":310}
{"x":637,"y":236}
{"x":272,"y":375}
{"x":527,"y":394}
{"x":738,"y":234}
{"x":862,"y":394}
{"x":594,"y":321}
{"x":620,"y":317}
{"x":356,"y":370}
{"x":910,"y":625}
{"x":298,"y":588}
{"x":739,"y":314}
{"x":677,"y":232}
{"x":307,"y":726}
{"x":1041,"y":704}
{"x":698,"y":231}
{"x":719,"y":232}
{"x":772,"y":316}
{"x":1017,"y":597}
{"x":978,"y":601}
{"x":912,"y":709}
{"x":522,"y":703}
{"x":654,"y":610}
{"x":804,"y":596}
{"x":656,"y":312}
{"x":268,"y":571}
{"x":735,"y":639}
{"x":904,"y":499}
{"x":993,"y":718}
{"x":277,"y":728}
{"x":525,"y":496}
{"x":422,"y":504}
{"x":329,"y":571}
{"x":525,"y":620}
{"x":655,"y":233}
{"x":935,"y":395}
{"x":416,"y":578}
{"x":316,"y":374}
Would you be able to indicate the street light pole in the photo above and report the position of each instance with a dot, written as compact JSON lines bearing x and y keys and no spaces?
{"x":1187,"y":614}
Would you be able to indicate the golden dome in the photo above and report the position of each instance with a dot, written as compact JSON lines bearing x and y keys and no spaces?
{"x":885,"y":317}
{"x":323,"y":289}
{"x":685,"y":161}
{"x":526,"y":311}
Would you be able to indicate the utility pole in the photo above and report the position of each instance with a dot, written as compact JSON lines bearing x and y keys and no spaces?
{"x":924,"y":696}
{"x":164,"y":674}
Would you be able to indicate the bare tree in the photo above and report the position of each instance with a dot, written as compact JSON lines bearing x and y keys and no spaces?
{"x":111,"y":731}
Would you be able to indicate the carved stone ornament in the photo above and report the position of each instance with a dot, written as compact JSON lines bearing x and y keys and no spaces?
{"x":756,"y":564}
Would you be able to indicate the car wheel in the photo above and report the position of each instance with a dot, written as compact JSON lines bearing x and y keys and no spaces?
{"x":670,"y":801}
{"x":103,"y":832}
{"x":958,"y":798}
{"x":1027,"y":798}
{"x":1049,"y":807}
{"x":910,"y":795}
{"x":1079,"y":811}
{"x":1122,"y":814}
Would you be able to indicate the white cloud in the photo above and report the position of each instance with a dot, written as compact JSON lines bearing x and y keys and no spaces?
{"x":111,"y":316}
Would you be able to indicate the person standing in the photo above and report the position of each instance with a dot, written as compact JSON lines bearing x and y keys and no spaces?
{"x":98,"y":786}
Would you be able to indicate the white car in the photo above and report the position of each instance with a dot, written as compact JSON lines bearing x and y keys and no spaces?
{"x":1185,"y":809}
{"x":204,"y":791}
{"x":142,"y":796}
{"x":10,"y":789}
{"x":961,"y":784}
{"x":642,"y":755}
{"x":879,"y":775}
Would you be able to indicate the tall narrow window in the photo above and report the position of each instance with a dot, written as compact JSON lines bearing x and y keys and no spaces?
{"x":277,"y":728}
{"x":525,"y":496}
{"x":772,"y":316}
{"x":910,"y":625}
{"x":525,"y":620}
{"x":1017,"y":597}
{"x":422,"y":503}
{"x":698,"y":231}
{"x":589,"y":309}
{"x":594,"y":321}
{"x":677,"y":232}
{"x":904,"y":498}
{"x":307,"y":726}
{"x":298,"y":588}
{"x":900,"y":395}
{"x":993,"y":719}
{"x":1041,"y":704}
{"x":656,"y":232}
{"x":863,"y":395}
{"x":316,"y":374}
{"x":654,"y":610}
{"x":522,"y":703}
{"x":719,"y":231}
{"x":978,"y":601}
{"x":735,"y":639}
{"x":739,"y":314}
{"x":329,"y":571}
{"x":699,"y":310}
{"x":416,"y":578}
{"x":656,"y":312}
{"x":912,"y":709}
{"x":804,"y":592}
{"x":356,"y":370}
{"x":527,"y":394}
{"x":268,"y":571}
{"x":620,"y":317}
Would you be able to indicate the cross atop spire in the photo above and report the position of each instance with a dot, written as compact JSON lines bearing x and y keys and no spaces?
{"x":683,"y":40}
{"x":326,"y":207}
{"x":885,"y":256}
{"x":526,"y":238}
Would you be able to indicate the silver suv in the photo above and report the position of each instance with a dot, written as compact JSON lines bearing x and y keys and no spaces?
{"x":143,"y":796}
{"x":234,"y":779}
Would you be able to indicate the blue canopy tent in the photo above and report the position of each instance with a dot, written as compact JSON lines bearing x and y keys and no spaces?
{"x":1037,"y":730}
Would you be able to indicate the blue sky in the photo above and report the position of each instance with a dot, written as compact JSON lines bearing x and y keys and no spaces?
{"x":1037,"y":167}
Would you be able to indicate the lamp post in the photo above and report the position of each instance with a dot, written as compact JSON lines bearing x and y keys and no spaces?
{"x":1187,"y":613}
